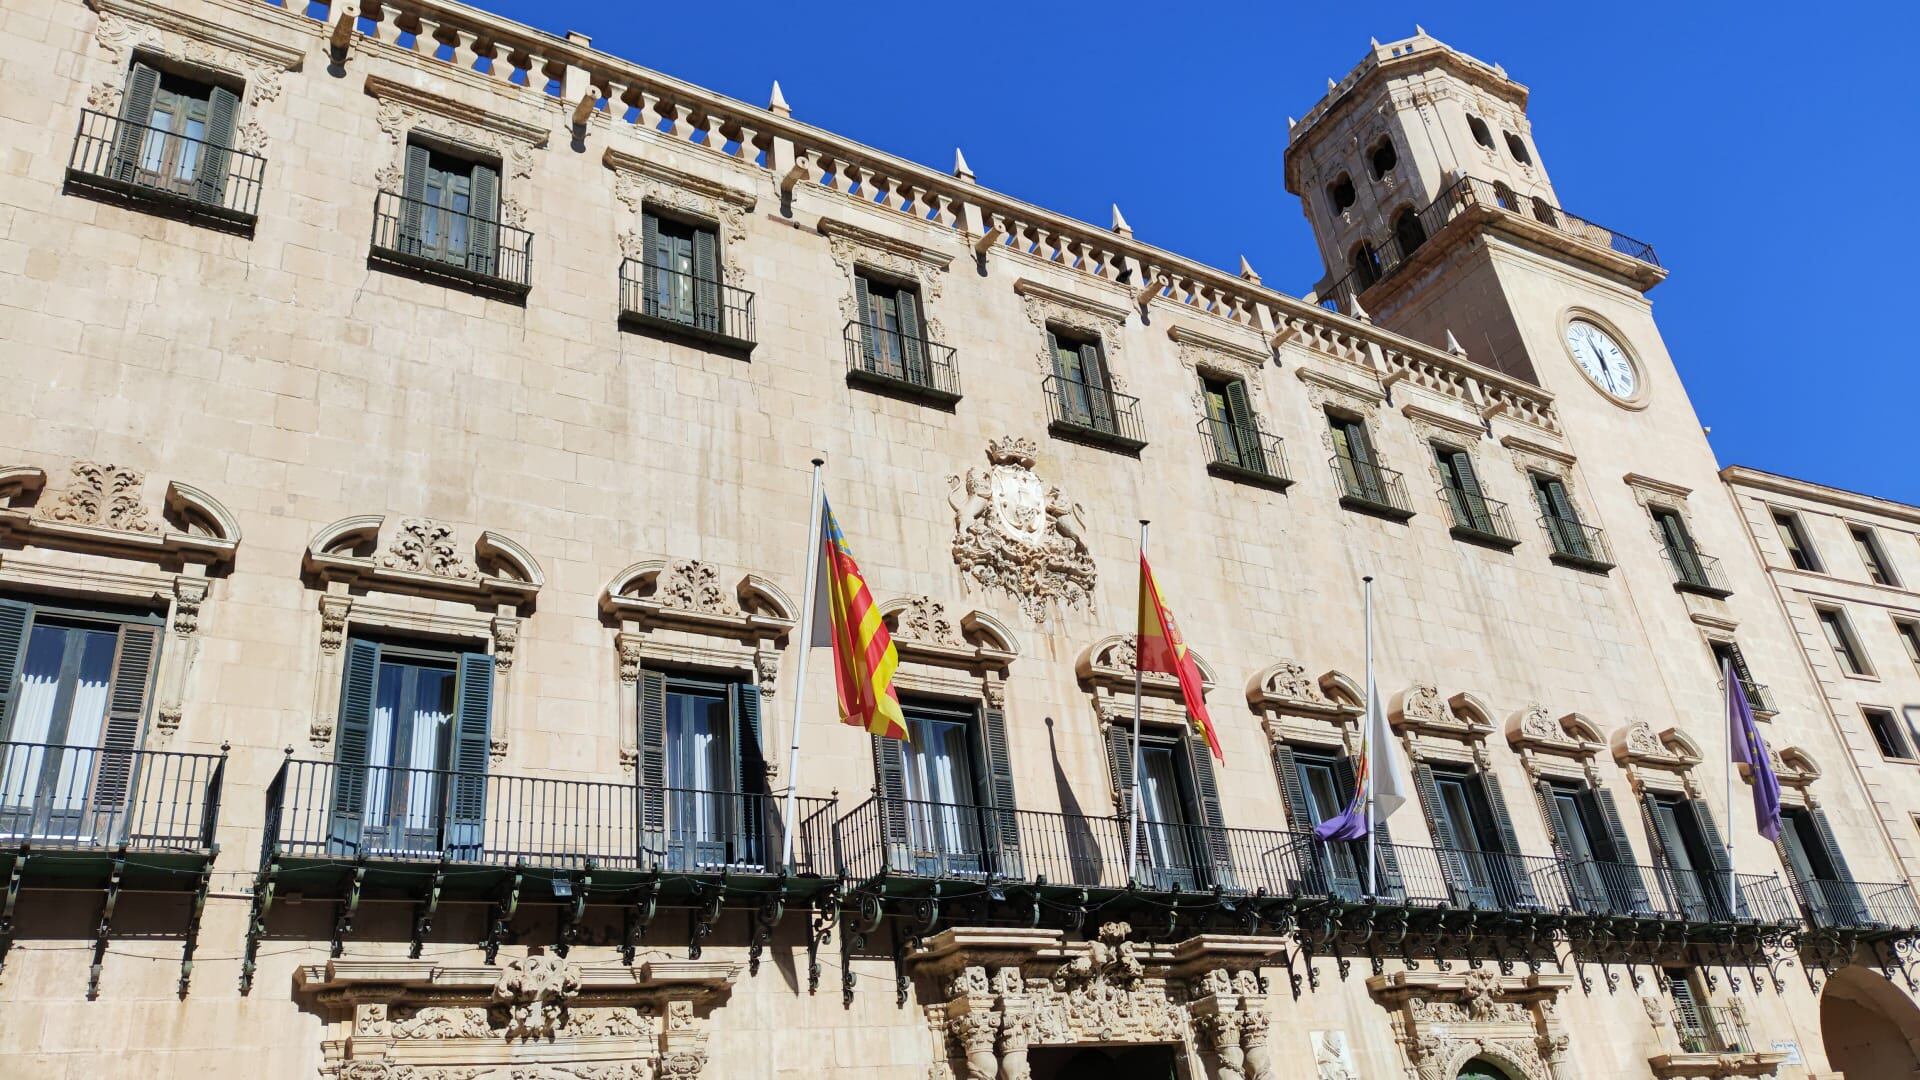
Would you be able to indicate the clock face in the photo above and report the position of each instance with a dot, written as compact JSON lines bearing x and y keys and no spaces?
{"x":1602,"y":358}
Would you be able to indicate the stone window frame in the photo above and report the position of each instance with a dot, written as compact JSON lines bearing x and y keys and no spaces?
{"x":1208,"y":356}
{"x":646,"y":186}
{"x":674,"y":613}
{"x":856,"y":250}
{"x":127,"y":29}
{"x":1298,"y":711}
{"x":1434,"y":428}
{"x":1105,"y":669}
{"x":1651,"y":493}
{"x":1531,"y":458}
{"x":1047,"y":307}
{"x":408,"y":114}
{"x":1330,"y":394}
{"x":422,"y":581}
{"x":101,"y":513}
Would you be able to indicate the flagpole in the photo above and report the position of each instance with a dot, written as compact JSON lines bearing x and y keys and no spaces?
{"x":1726,"y":681}
{"x":1373,"y":773}
{"x":806,"y":651}
{"x":1133,"y":809}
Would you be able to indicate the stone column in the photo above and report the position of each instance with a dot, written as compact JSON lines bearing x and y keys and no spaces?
{"x":1253,"y":1039}
{"x":976,"y":1030}
{"x":683,"y":1046}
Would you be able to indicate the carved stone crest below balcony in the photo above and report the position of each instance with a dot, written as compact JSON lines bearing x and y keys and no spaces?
{"x":1014,"y":534}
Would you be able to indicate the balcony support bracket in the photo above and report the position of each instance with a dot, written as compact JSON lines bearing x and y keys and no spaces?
{"x":264,"y":886}
{"x":103,"y":933}
{"x":504,"y":909}
{"x":639,"y":918}
{"x":197,"y":908}
{"x":819,"y":932}
{"x":13,"y":899}
{"x":349,"y":906}
{"x":708,"y":900}
{"x":574,"y":911}
{"x":425,"y":910}
{"x":772,"y":907}
{"x":903,"y":943}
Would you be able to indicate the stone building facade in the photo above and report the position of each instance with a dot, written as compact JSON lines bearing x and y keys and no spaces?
{"x":408,"y":419}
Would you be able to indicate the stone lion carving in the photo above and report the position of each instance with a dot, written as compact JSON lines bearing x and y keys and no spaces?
{"x":1014,"y":533}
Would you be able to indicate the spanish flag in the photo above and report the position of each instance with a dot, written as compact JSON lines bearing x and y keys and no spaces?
{"x":863,"y":652}
{"x":1161,"y":648}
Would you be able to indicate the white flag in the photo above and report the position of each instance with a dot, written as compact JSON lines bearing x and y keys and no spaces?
{"x":1389,"y":776}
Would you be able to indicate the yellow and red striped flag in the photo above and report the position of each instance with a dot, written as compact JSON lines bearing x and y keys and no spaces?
{"x":863,"y":652}
{"x":1161,"y":648}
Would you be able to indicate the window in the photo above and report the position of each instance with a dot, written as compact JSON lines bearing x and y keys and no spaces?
{"x":1909,"y":633}
{"x":1690,"y":846}
{"x":1408,"y":232}
{"x":1481,"y":134}
{"x":703,"y":771}
{"x":410,"y":760}
{"x":1544,"y":212}
{"x":1182,"y":841}
{"x":1570,"y":537}
{"x":1340,"y":193}
{"x":175,"y":134}
{"x":1879,"y":571}
{"x":1236,"y":434}
{"x":1888,"y":734}
{"x":1471,"y":510}
{"x":1356,"y":464}
{"x":1517,"y":148}
{"x":891,"y":339}
{"x":1689,"y":568}
{"x":1080,"y":375}
{"x":1819,"y":871}
{"x":449,"y":210}
{"x":71,"y":714}
{"x":1474,"y":834}
{"x":680,"y":273}
{"x":1593,"y":847}
{"x":1318,"y":785}
{"x":1726,"y":652}
{"x":1845,"y":646}
{"x":1383,"y":158}
{"x":950,"y":792}
{"x":1689,"y":1018}
{"x":1795,"y":540}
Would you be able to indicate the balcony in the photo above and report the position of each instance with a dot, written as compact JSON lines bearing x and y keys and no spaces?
{"x":437,"y":837}
{"x":1370,"y":488}
{"x":86,"y":818}
{"x":1582,"y":547}
{"x":678,"y":303}
{"x":1082,"y":412}
{"x":1759,"y":696}
{"x":889,"y":362}
{"x":1245,"y":452}
{"x":1696,"y":573}
{"x":1478,"y":519}
{"x":1472,"y":198}
{"x":1712,"y":1030}
{"x":446,"y":246}
{"x":1866,"y":909}
{"x":163,"y":171}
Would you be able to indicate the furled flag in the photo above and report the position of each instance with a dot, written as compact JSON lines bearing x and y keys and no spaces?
{"x":1160,"y":647}
{"x":1389,"y":789}
{"x":863,"y":654}
{"x":1749,"y":749}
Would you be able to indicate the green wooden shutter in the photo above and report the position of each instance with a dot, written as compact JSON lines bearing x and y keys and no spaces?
{"x":1286,"y":768}
{"x":912,"y":351}
{"x":483,"y":234}
{"x":1003,"y":831}
{"x":133,"y":667}
{"x":1550,"y":810}
{"x":1388,"y":883}
{"x":1120,"y":767}
{"x":1452,"y":861}
{"x":358,"y":684}
{"x":1847,"y":891}
{"x":706,"y":284}
{"x":15,"y":618}
{"x":223,"y":108}
{"x":413,"y":207}
{"x":1626,"y":883}
{"x":651,"y":263}
{"x":136,"y":113}
{"x":472,"y":742}
{"x":1583,"y":881}
{"x":890,"y":784}
{"x":1099,"y":395}
{"x":869,"y":322}
{"x":1616,"y":828}
{"x":1511,"y":871}
{"x":1246,"y":433}
{"x":1716,"y":855}
{"x":1206,"y":790}
{"x":652,"y":766}
{"x":755,"y":812}
{"x":1059,"y":365}
{"x":1345,"y":860}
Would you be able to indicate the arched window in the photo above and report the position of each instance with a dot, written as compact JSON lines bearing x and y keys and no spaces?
{"x":1383,"y":158}
{"x":1543,"y":210}
{"x":1481,"y":134}
{"x":1408,"y":232}
{"x":1365,"y":263}
{"x":1504,"y":195}
{"x":1517,"y":148}
{"x":1340,"y":193}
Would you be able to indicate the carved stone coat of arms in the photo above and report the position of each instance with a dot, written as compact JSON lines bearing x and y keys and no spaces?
{"x":1015,"y":534}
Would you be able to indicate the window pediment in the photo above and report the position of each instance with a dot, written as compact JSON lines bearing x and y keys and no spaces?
{"x":1109,"y":663}
{"x":1637,"y":744}
{"x":922,"y":631}
{"x":102,"y":507}
{"x":1285,"y":689}
{"x":1569,"y":736}
{"x":423,"y":557}
{"x":688,"y":594}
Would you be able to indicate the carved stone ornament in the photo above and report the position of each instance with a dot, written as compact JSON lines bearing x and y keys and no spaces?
{"x":924,"y":619}
{"x":405,"y":110}
{"x":1014,"y":534}
{"x":423,"y":556}
{"x":1332,"y":1056}
{"x":853,"y":249}
{"x":1444,"y":1020}
{"x":640,"y":184}
{"x":536,"y":992}
{"x":691,"y":585}
{"x":421,"y":546}
{"x":100,"y":494}
{"x":165,"y":30}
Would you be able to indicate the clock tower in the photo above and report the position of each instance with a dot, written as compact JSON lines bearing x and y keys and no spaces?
{"x":1435,"y":218}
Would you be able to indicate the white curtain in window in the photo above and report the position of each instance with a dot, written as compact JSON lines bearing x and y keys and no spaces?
{"x":85,"y":719}
{"x":423,"y":756}
{"x":1159,"y":803}
{"x":32,"y":717}
{"x":380,"y":777}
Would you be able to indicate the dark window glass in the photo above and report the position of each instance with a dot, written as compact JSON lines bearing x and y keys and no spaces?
{"x":1340,"y":193}
{"x":180,"y":110}
{"x":1879,"y":571}
{"x":1840,"y":637}
{"x":1517,"y":148}
{"x":409,"y":749}
{"x":1795,"y":539}
{"x":1481,"y":133}
{"x":1408,"y":231}
{"x":1383,"y":158}
{"x":1887,"y":734}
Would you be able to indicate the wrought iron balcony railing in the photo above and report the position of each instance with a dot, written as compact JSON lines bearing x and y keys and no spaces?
{"x":1478,"y":519}
{"x":1577,"y":544}
{"x":1628,"y":890}
{"x":901,"y":364}
{"x":1384,"y":256}
{"x":80,"y":798}
{"x":1095,"y":414}
{"x":1858,"y":905}
{"x":1370,"y":487}
{"x":1696,"y":573}
{"x":1711,"y":1030}
{"x":324,"y":810}
{"x":677,"y":301}
{"x":194,"y":177}
{"x":1243,"y":450}
{"x":1759,"y":696}
{"x":443,"y":243}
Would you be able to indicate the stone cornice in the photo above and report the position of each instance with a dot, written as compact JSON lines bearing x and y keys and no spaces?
{"x":426,"y":101}
{"x":680,"y":178}
{"x":1457,"y":424}
{"x":1741,"y":477}
{"x":906,"y":249}
{"x":1186,"y":335}
{"x":1656,"y":487}
{"x":1370,"y":394}
{"x":169,"y":17}
{"x":1040,"y":290}
{"x":1524,"y":445}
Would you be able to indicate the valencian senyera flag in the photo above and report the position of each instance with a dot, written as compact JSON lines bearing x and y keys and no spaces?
{"x":863,"y":654}
{"x":1749,"y":749}
{"x":1161,"y":648}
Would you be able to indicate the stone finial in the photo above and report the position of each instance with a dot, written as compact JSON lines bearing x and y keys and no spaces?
{"x":1120,"y":223}
{"x":960,"y":167}
{"x":1291,"y":123}
{"x":1247,"y":271}
{"x":1419,"y":31}
{"x":777,"y":104}
{"x":1454,"y":346}
{"x":1373,"y":42}
{"x":1355,"y":310}
{"x":1331,"y":85}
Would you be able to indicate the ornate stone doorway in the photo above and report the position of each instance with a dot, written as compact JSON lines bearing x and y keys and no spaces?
{"x":1104,"y":1062}
{"x":1868,"y":1026}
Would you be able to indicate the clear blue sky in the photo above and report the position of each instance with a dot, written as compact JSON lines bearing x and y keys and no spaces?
{"x":1766,"y":150}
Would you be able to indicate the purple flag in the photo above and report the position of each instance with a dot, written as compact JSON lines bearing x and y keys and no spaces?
{"x":1750,"y":749}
